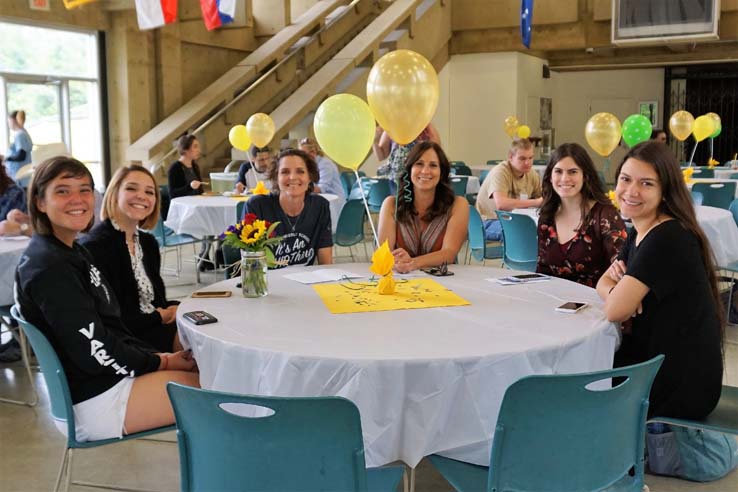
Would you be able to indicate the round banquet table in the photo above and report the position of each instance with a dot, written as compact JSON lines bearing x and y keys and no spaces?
{"x":203,"y":215}
{"x":425,"y":380}
{"x":11,"y":249}
{"x":718,"y":225}
{"x":724,"y":173}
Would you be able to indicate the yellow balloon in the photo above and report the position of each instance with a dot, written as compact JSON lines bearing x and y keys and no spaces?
{"x":524,"y":131}
{"x":239,"y":137}
{"x":703,"y":127}
{"x":681,"y":124}
{"x":511,"y":126}
{"x":402,"y":91}
{"x":344,"y":127}
{"x":261,"y":129}
{"x":603,"y":132}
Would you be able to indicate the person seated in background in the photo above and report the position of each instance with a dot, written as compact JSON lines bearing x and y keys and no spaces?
{"x":249,"y":175}
{"x":580,"y":233}
{"x":659,"y":136}
{"x":511,"y":184}
{"x":129,"y":257}
{"x":330,"y":178}
{"x":184,"y":176}
{"x":396,"y":154}
{"x":426,"y":224}
{"x":304,"y":217}
{"x":13,"y":220}
{"x":19,"y":152}
{"x":117,"y":382}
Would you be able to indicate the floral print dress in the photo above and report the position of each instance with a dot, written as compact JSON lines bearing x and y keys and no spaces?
{"x":585,"y":257}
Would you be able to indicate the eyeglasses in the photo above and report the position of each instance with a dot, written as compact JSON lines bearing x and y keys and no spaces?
{"x":439,"y":271}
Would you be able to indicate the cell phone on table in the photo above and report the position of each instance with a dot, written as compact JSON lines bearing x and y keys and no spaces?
{"x":527,"y":276}
{"x":212,"y":293}
{"x":571,"y":307}
{"x":200,"y":317}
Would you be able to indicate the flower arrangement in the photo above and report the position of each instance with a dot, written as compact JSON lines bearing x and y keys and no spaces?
{"x":260,"y":189}
{"x":687,"y":173}
{"x":712,"y":163}
{"x":255,"y":237}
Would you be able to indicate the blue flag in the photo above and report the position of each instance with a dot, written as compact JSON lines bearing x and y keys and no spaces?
{"x":526,"y":20}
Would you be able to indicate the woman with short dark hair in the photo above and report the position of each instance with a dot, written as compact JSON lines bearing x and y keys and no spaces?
{"x":184,"y":176}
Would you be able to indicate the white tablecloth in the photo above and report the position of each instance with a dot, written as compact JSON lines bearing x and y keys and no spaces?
{"x":717,"y":223}
{"x":11,"y":250}
{"x":211,"y":215}
{"x":724,"y":173}
{"x":425,"y":381}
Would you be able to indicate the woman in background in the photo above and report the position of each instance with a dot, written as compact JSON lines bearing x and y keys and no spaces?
{"x":184,"y":175}
{"x":19,"y":152}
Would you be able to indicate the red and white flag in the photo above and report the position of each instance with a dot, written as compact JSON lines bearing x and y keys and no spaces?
{"x":155,"y":13}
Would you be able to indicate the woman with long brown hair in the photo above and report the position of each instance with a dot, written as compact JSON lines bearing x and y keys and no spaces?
{"x":580,"y":232}
{"x":664,"y":280}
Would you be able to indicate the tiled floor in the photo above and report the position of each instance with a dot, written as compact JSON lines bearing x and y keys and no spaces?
{"x":31,"y":446}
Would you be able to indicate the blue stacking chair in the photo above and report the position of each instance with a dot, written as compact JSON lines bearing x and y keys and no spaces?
{"x":718,"y":195}
{"x":348,"y":181}
{"x":733,"y":176}
{"x":697,"y":197}
{"x":483,"y":176}
{"x":520,"y":241}
{"x":350,"y":227}
{"x":703,"y":172}
{"x":305,"y":444}
{"x":478,"y":247}
{"x":460,"y":169}
{"x":554,"y":433}
{"x":60,"y":401}
{"x":494,"y":162}
{"x":376,"y":191}
{"x":458,"y":184}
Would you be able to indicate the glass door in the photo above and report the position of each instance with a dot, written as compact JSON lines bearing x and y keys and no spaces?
{"x":42,"y":102}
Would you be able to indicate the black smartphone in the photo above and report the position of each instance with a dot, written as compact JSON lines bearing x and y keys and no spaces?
{"x":200,"y":317}
{"x":212,"y":293}
{"x":528,"y":276}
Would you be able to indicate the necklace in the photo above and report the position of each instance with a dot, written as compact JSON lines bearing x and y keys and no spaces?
{"x":293,"y":225}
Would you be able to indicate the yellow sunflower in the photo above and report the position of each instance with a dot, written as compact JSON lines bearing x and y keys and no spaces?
{"x":253,"y":232}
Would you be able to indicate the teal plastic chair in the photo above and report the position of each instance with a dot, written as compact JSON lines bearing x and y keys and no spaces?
{"x":483,"y":175}
{"x":60,"y":403}
{"x":305,"y":444}
{"x":240,"y":206}
{"x":520,"y":241}
{"x":703,"y":173}
{"x":494,"y":162}
{"x":461,"y":170}
{"x":376,"y":191}
{"x":555,"y":434}
{"x":603,"y":180}
{"x":458,"y":184}
{"x":697,"y":197}
{"x":350,"y":227}
{"x":733,"y":176}
{"x":348,"y":179}
{"x":540,"y":162}
{"x":479,"y":249}
{"x":718,"y":195}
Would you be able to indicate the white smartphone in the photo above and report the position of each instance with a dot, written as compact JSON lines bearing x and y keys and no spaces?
{"x":571,"y":307}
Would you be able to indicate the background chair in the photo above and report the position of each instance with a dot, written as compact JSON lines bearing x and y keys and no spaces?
{"x":718,"y":195}
{"x":494,"y":162}
{"x":459,"y":168}
{"x":350,"y":228}
{"x":703,"y":172}
{"x":557,"y":433}
{"x":376,"y":191}
{"x":458,"y":184}
{"x":478,"y":247}
{"x":306,"y":444}
{"x":7,"y":320}
{"x":483,"y":175}
{"x":697,"y":197}
{"x":60,"y":401}
{"x":733,"y":176}
{"x":348,"y":181}
{"x":520,"y":241}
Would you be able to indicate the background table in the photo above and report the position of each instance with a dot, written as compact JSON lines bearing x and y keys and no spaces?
{"x":724,"y":173}
{"x":425,"y":381}
{"x":718,"y":225}
{"x":211,"y":215}
{"x":11,"y":250}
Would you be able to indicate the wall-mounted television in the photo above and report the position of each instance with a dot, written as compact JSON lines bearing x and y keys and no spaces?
{"x":664,"y":21}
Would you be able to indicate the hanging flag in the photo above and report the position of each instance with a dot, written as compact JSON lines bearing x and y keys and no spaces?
{"x":155,"y":13}
{"x":216,"y":13}
{"x":526,"y":20}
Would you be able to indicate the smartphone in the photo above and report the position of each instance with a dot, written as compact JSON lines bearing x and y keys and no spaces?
{"x":200,"y":317}
{"x":212,"y":293}
{"x":571,"y":307}
{"x":527,"y":276}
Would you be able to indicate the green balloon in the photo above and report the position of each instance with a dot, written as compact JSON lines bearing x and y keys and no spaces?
{"x":636,"y":129}
{"x":717,"y":132}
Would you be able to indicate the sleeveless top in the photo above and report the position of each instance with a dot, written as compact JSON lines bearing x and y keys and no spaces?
{"x":410,"y":238}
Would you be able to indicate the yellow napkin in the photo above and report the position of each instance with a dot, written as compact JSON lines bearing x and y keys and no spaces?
{"x":712,"y":163}
{"x":687,"y":173}
{"x":382,"y":263}
{"x":613,"y":199}
{"x":260,"y":189}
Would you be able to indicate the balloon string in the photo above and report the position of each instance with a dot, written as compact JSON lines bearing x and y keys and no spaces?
{"x":694,"y":149}
{"x":711,"y":148}
{"x":366,"y":207}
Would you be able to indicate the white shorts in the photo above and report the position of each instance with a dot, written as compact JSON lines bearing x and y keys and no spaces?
{"x":101,"y":417}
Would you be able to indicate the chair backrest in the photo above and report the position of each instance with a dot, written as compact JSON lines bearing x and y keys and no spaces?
{"x":475,"y":234}
{"x":520,"y":241}
{"x":348,"y":180}
{"x":458,"y":184}
{"x":239,"y":210}
{"x":603,"y":180}
{"x":558,"y":433}
{"x":306,"y":444}
{"x":350,"y":228}
{"x":56,"y":380}
{"x":733,"y":176}
{"x":379,"y":190}
{"x":165,"y":201}
{"x":461,"y":170}
{"x":734,"y":210}
{"x":540,"y":162}
{"x":697,"y":197}
{"x":483,"y":175}
{"x":718,"y":195}
{"x":703,"y":172}
{"x":494,"y":162}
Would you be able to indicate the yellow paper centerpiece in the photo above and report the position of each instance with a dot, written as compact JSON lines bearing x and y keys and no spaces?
{"x":687,"y":173}
{"x":382,"y":263}
{"x":613,"y":198}
{"x":260,"y":189}
{"x":712,"y":163}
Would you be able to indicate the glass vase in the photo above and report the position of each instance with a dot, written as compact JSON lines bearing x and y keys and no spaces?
{"x":254,"y":274}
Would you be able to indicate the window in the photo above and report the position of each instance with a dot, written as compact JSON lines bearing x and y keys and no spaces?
{"x":53,"y":75}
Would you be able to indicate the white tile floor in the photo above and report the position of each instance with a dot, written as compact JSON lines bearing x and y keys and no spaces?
{"x":30,"y":445}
